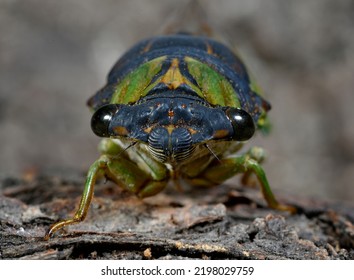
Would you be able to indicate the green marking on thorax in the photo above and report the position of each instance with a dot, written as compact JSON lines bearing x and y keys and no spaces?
{"x":131,"y":88}
{"x":214,"y":87}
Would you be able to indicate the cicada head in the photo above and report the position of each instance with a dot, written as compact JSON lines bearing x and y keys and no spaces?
{"x":173,"y":124}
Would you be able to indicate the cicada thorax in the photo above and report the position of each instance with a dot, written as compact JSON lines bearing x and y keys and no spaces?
{"x":213,"y":72}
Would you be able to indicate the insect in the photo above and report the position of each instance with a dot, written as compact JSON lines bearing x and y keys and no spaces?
{"x":175,"y":107}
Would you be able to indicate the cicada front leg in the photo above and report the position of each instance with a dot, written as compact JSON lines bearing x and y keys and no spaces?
{"x":124,"y":172}
{"x":248,"y":164}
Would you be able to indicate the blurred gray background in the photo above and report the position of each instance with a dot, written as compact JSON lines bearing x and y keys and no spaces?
{"x":55,"y":54}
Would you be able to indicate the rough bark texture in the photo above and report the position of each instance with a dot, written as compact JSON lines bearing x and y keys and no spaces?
{"x":225,"y":222}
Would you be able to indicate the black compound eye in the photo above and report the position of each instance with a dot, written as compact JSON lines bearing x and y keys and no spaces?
{"x":102,"y":118}
{"x":242,"y":123}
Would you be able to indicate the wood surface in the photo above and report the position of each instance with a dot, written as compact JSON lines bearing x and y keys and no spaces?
{"x":225,"y":222}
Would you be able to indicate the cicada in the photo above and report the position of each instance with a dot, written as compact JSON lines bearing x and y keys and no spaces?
{"x":176,"y":107}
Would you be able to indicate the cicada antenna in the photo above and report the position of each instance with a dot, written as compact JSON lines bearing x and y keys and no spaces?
{"x":132,"y":144}
{"x":212,"y":152}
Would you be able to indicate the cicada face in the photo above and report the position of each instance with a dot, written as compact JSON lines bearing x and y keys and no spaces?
{"x":172,"y":124}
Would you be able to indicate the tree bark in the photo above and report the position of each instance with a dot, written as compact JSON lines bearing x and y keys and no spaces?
{"x":225,"y":222}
